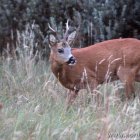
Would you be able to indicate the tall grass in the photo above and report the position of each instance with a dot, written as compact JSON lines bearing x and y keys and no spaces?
{"x":34,"y":107}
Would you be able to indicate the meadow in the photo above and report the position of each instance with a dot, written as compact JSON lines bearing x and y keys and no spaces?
{"x":34,"y":106}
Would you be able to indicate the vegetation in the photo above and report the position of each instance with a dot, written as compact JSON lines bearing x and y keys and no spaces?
{"x":101,"y":19}
{"x":33,"y":100}
{"x":34,"y":105}
{"x":34,"y":108}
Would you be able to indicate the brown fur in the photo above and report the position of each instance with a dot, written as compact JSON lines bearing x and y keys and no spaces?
{"x":117,"y":59}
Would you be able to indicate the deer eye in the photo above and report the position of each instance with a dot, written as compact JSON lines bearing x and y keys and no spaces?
{"x":61,"y":50}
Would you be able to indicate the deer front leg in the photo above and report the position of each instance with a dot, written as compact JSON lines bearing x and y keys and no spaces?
{"x":128,"y":78}
{"x":95,"y":95}
{"x":72,"y":94}
{"x":98,"y":96}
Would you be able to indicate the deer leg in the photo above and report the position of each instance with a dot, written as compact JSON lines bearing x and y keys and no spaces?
{"x":94,"y":94}
{"x":137,"y":77}
{"x":128,"y":78}
{"x":71,"y":97}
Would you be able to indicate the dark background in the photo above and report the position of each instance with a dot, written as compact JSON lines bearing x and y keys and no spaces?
{"x":101,"y":20}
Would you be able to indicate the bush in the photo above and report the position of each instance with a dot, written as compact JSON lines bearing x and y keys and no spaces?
{"x":101,"y":19}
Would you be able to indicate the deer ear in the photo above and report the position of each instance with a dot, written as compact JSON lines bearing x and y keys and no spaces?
{"x":71,"y":37}
{"x":52,"y":40}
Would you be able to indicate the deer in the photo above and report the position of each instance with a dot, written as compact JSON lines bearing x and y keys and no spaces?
{"x":107,"y":61}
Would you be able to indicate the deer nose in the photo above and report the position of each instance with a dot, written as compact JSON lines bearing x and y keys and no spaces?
{"x":71,"y":60}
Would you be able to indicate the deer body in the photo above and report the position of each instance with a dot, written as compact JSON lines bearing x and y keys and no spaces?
{"x":117,"y":59}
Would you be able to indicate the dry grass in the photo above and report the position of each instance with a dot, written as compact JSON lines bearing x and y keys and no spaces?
{"x":34,"y":104}
{"x":34,"y":108}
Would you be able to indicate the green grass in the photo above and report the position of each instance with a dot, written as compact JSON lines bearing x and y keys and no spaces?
{"x":34,"y":108}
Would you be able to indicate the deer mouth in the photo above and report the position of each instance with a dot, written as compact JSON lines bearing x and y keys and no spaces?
{"x":71,"y":61}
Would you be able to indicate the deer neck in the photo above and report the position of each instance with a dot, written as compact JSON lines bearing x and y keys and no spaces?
{"x":56,"y":67}
{"x":61,"y":73}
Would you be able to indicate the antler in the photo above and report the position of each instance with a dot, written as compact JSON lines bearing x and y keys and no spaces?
{"x":51,"y":28}
{"x":67,"y":30}
{"x":53,"y":31}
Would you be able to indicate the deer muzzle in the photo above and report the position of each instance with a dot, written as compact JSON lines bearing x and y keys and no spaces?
{"x":71,"y":61}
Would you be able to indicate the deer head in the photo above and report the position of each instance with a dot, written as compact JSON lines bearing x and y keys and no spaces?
{"x":61,"y":48}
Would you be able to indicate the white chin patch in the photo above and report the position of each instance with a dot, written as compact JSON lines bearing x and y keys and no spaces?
{"x":72,"y":64}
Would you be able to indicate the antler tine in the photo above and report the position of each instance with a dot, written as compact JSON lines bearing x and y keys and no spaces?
{"x":67,"y":30}
{"x":54,"y":32}
{"x":67,"y":25}
{"x":51,"y":28}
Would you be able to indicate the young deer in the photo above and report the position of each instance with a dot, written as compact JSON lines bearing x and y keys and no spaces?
{"x":117,"y":59}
